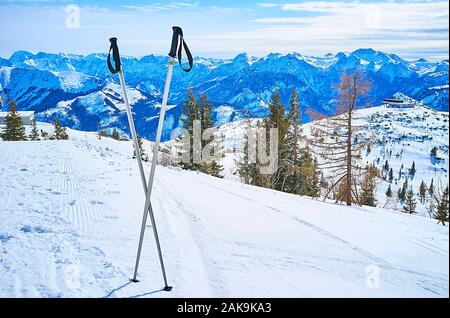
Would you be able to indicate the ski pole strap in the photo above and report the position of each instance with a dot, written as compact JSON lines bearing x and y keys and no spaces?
{"x":179,"y":43}
{"x":116,"y":56}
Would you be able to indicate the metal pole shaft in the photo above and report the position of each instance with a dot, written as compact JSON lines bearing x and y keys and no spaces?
{"x":136,"y":144}
{"x":133,"y":130}
{"x":151,"y":178}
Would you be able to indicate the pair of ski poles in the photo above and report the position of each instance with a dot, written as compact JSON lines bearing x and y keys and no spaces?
{"x":177,"y":46}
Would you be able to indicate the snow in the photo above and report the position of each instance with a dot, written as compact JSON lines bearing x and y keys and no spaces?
{"x":410,"y":133}
{"x":440,"y":87}
{"x":133,"y":94}
{"x":73,"y":80}
{"x":70,"y":217}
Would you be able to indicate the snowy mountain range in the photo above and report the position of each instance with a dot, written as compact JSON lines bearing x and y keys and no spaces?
{"x":86,"y":96}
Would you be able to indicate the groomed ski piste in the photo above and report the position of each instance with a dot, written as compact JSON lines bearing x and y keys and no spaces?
{"x":70,"y":219}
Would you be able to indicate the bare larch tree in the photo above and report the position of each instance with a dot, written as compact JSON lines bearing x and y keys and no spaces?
{"x":335,"y":139}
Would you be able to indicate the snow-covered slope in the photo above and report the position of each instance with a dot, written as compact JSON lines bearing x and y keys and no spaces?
{"x":70,"y":216}
{"x":400,"y":136}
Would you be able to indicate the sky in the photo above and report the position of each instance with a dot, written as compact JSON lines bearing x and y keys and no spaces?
{"x":222,"y":29}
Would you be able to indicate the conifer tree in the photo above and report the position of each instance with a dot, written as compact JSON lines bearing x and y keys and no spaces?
{"x":431,"y":187}
{"x":205,"y":109}
{"x":60,"y":131}
{"x":400,"y":196}
{"x":404,"y":190}
{"x":412,"y":171}
{"x":391,"y":175}
{"x":277,"y":119}
{"x":368,"y":187}
{"x":369,"y":149}
{"x":214,"y":169}
{"x":389,"y":192}
{"x":386,"y":166}
{"x":442,"y":209}
{"x":309,"y":175}
{"x":410,"y":202}
{"x":292,"y":159}
{"x":191,"y":112}
{"x":205,"y":113}
{"x":115,"y":134}
{"x":144,"y":155}
{"x":34,"y":135}
{"x":249,"y":172}
{"x":422,"y":191}
{"x":433,"y":152}
{"x":13,"y":129}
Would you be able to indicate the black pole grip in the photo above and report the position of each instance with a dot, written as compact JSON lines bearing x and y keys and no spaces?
{"x":176,"y":34}
{"x":116,"y":57}
{"x":177,"y":48}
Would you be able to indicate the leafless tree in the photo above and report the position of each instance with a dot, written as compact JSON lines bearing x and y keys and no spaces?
{"x":336,"y":139}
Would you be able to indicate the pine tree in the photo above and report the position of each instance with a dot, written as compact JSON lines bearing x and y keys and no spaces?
{"x":205,"y":113}
{"x":410,"y":202}
{"x":249,"y":172}
{"x":102,"y":133}
{"x":34,"y":135}
{"x":368,"y":187}
{"x":115,"y":134}
{"x":13,"y":129}
{"x":400,"y":196}
{"x":277,"y":119}
{"x":144,"y":155}
{"x":309,"y":176}
{"x":191,"y":112}
{"x":389,"y":192}
{"x":386,"y":166}
{"x":369,"y":149}
{"x":391,"y":175}
{"x":404,"y":190}
{"x":412,"y":171}
{"x":431,"y":187}
{"x":442,"y":209}
{"x":205,"y":109}
{"x":214,"y":169}
{"x":433,"y":152}
{"x":292,"y":179}
{"x":422,"y":191}
{"x":60,"y":132}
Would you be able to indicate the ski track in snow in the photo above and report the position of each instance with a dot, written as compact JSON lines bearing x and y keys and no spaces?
{"x":70,"y":218}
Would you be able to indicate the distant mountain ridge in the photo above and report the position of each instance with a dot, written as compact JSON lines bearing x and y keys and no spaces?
{"x":85,"y":95}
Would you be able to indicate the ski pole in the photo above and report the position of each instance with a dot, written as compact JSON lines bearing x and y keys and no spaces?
{"x":118,"y":69}
{"x":177,"y":43}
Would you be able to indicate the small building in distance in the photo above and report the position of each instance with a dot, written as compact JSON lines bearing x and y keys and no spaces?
{"x":399,"y":100}
{"x":26,"y":116}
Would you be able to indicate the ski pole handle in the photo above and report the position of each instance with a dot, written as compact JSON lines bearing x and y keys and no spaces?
{"x":176,"y":34}
{"x":116,"y":57}
{"x":179,"y":43}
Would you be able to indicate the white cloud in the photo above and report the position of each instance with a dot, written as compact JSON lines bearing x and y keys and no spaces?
{"x":267,"y":5}
{"x":409,"y":29}
{"x":162,"y":6}
{"x":391,"y":26}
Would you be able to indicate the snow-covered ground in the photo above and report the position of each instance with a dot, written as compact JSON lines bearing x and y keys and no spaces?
{"x":400,"y":136}
{"x":70,"y":215}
